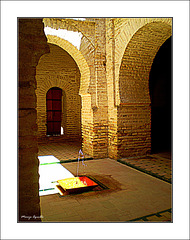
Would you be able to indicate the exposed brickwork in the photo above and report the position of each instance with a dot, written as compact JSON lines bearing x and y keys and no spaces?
{"x":85,"y":73}
{"x":87,"y":48}
{"x":109,"y":97}
{"x":131,"y":47}
{"x":58,"y":69}
{"x":133,"y":130}
{"x":78,"y":58}
{"x":105,"y":88}
{"x":119,"y":53}
{"x":134,"y":87}
{"x":100,"y":117}
{"x":127,"y":29}
{"x":137,"y":60}
{"x":87,"y":124}
{"x":110,"y":76}
{"x":32,"y":44}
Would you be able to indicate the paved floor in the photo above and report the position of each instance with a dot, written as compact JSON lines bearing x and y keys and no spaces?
{"x":131,"y":195}
{"x":62,"y":151}
{"x":158,"y":165}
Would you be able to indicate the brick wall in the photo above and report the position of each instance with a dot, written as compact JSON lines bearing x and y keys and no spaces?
{"x":134,"y":112}
{"x":85,"y":79}
{"x":100,"y":117}
{"x":150,"y":31}
{"x":94,"y":107}
{"x":58,"y":69}
{"x":133,"y":132}
{"x":131,"y":45}
{"x":114,"y":62}
{"x":87,"y":48}
{"x":109,"y":76}
{"x":137,"y":60}
{"x":32,"y":44}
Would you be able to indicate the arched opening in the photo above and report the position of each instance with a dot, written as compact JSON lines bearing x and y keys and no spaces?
{"x":64,"y":114}
{"x":134,"y":112}
{"x":54,"y":111}
{"x":58,"y":100}
{"x":160,"y":85}
{"x":65,"y":67}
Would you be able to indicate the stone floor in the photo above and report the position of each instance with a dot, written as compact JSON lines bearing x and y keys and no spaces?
{"x":61,"y":150}
{"x":132,"y":194}
{"x":158,"y":165}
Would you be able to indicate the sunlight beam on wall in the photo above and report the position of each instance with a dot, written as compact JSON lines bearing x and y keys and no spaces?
{"x":72,"y":37}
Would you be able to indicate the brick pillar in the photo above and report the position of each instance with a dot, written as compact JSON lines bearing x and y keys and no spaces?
{"x":110,"y":74}
{"x":32,"y":45}
{"x":100,"y":121}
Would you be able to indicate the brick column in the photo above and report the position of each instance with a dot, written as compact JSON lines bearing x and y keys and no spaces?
{"x":32,"y":45}
{"x":100,"y":120}
{"x":110,"y":74}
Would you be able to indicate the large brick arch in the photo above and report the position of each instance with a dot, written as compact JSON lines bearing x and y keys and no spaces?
{"x":137,"y":61}
{"x":58,"y":69}
{"x":79,"y":59}
{"x":133,"y":99}
{"x":137,"y":43}
{"x":84,"y":91}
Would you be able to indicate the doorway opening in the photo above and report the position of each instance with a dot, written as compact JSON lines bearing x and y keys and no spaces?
{"x":54,"y":111}
{"x":160,"y":86}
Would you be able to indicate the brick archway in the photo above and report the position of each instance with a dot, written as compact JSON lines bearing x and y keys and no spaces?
{"x":58,"y":69}
{"x":55,"y":80}
{"x":137,"y":61}
{"x":78,"y":58}
{"x":134,"y":112}
{"x":126,"y":35}
{"x":50,"y":82}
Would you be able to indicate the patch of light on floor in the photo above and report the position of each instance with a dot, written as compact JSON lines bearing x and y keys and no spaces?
{"x":50,"y":170}
{"x":72,"y":37}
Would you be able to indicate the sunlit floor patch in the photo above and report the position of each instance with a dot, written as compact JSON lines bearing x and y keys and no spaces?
{"x":50,"y":170}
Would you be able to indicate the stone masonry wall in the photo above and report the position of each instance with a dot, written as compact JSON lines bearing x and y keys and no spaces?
{"x":32,"y":44}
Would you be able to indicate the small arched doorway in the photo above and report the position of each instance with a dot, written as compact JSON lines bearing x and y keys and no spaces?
{"x":54,"y":111}
{"x":160,"y":85}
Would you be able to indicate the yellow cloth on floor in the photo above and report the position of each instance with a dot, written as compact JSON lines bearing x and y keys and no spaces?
{"x":70,"y":183}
